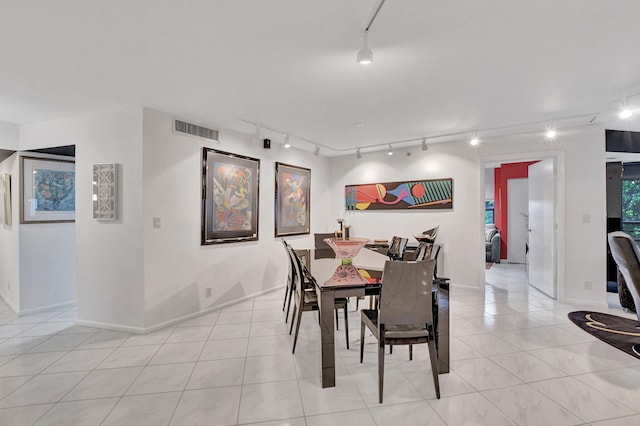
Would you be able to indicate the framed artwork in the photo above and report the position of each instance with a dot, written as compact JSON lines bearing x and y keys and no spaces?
{"x":421,"y":194}
{"x":229,"y":197}
{"x":48,"y":190}
{"x":105,"y":197}
{"x":5,"y":199}
{"x":292,"y":200}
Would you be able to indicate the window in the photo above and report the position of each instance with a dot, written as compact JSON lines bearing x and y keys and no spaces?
{"x":631,"y":207}
{"x":489,"y":212}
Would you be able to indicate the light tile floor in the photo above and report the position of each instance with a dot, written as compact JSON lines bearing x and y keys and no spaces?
{"x":516,"y":359}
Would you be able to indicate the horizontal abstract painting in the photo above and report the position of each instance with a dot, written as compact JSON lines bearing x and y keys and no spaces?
{"x":421,"y":194}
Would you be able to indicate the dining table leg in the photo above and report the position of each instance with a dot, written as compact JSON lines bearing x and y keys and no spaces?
{"x":326,"y":301}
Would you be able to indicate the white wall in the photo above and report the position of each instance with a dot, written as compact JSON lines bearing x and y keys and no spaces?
{"x":109,"y":258}
{"x":461,"y":232}
{"x":177,"y":269}
{"x":583,"y":255}
{"x":8,"y":136}
{"x":582,"y":259}
{"x":9,"y":241}
{"x":489,"y":184}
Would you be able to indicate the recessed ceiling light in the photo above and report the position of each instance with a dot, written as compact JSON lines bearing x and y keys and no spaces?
{"x":474,"y":141}
{"x":625,"y":113}
{"x":551,"y":134}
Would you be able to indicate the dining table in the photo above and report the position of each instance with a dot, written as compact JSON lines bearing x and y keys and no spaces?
{"x":321,"y":264}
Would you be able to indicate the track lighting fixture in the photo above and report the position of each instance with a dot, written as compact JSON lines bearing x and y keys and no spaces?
{"x":551,"y":133}
{"x":390,"y":152}
{"x":365,"y":55}
{"x":358,"y":154}
{"x":258,"y":132}
{"x":424,"y":145}
{"x":286,"y":141}
{"x":316,"y":151}
{"x":474,"y":141}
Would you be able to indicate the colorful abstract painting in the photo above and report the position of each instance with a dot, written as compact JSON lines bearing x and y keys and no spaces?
{"x":54,"y":190}
{"x":292,"y":200}
{"x":48,"y":190}
{"x":230,"y":197}
{"x":422,"y":194}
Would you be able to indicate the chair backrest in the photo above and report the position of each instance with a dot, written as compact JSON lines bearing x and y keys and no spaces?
{"x":297,"y":273}
{"x":423,"y":252}
{"x":406,"y":294}
{"x":397,"y":248}
{"x":289,"y":260}
{"x":431,"y":234}
{"x":626,"y":253}
{"x":319,"y":240}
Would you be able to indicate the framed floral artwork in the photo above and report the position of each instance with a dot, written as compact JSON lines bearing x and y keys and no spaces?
{"x":292,"y":200}
{"x":229,"y":197}
{"x":48,"y":190}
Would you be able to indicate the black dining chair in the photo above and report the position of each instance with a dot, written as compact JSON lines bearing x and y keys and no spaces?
{"x":305,"y":299}
{"x":405,"y":314}
{"x":319,"y":240}
{"x":397,"y":248}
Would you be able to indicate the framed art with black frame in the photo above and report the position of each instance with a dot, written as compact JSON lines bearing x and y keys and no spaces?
{"x":229,"y":197}
{"x":292,"y":200}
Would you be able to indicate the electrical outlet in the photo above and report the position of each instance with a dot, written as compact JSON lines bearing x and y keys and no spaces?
{"x":587,"y":285}
{"x":207,"y":292}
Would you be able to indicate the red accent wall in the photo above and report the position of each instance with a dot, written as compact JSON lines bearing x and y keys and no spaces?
{"x":501,"y":175}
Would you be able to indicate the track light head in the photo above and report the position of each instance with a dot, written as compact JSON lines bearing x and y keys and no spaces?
{"x":390,"y":152}
{"x":424,"y":145}
{"x":286,"y":141}
{"x":316,"y":151}
{"x":365,"y":55}
{"x":358,"y":154}
{"x":551,"y":133}
{"x":474,"y":141}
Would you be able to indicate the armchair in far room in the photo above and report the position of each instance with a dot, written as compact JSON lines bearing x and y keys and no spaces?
{"x":492,"y":243}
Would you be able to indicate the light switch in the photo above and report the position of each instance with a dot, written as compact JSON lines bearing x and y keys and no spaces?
{"x":156,"y":222}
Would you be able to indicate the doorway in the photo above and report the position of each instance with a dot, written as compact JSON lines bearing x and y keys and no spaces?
{"x":516,"y":228}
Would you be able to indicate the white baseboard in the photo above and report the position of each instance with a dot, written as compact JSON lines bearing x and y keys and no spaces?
{"x":54,"y":307}
{"x":9,"y":304}
{"x":209,"y":310}
{"x":108,"y":326}
{"x":584,"y":303}
{"x":151,"y":329}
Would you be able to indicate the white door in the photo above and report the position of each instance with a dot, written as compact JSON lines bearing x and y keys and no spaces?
{"x":517,"y":213}
{"x":542,"y":226}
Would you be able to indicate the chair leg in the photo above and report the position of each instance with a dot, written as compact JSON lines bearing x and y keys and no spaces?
{"x":291,"y":293}
{"x":361,"y":341}
{"x":390,"y":349}
{"x":337,"y":320}
{"x":410,"y":352}
{"x":295,"y":336}
{"x":286,"y":293}
{"x":293,"y":315}
{"x":346,"y":323}
{"x":434,"y":361}
{"x":380,"y":367}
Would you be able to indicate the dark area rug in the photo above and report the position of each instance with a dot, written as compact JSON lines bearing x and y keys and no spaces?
{"x":617,"y":331}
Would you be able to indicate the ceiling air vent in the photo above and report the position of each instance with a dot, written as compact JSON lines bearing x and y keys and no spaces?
{"x":185,"y":128}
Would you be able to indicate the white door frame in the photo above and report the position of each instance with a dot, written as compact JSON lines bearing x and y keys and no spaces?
{"x":560,"y":203}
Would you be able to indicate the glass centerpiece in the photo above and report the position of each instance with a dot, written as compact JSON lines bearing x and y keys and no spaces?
{"x":346,"y":250}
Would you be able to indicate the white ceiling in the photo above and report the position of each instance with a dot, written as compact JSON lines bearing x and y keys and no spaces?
{"x":440,"y":66}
